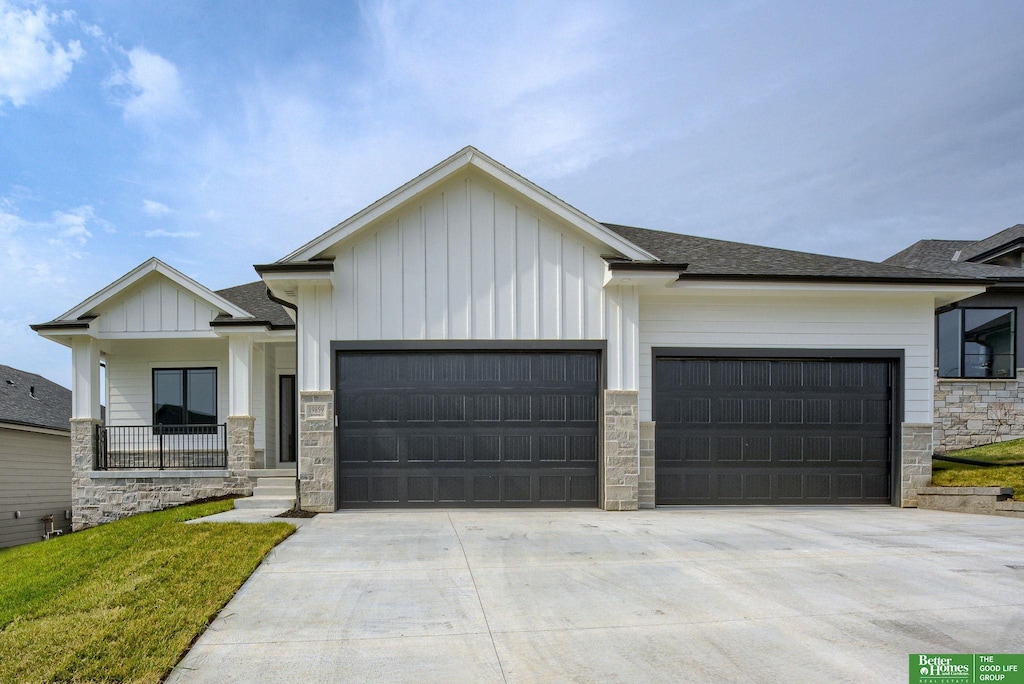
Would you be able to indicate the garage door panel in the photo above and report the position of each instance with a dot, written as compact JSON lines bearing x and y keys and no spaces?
{"x":488,"y":428}
{"x":793,"y":430}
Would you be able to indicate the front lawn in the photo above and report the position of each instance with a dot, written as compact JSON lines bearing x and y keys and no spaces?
{"x":946,"y":474}
{"x":123,"y":601}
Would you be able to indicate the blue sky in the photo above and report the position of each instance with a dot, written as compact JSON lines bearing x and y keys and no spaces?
{"x":216,"y":135}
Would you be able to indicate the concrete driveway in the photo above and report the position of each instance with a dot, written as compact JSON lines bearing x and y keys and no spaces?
{"x":674,"y":595}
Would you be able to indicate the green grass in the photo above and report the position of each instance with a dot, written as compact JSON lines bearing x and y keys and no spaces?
{"x":122,"y":602}
{"x":945,"y":474}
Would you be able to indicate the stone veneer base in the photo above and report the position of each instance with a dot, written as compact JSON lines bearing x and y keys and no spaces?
{"x":316,"y":451}
{"x":645,"y":488}
{"x":976,"y":411}
{"x":983,"y":500}
{"x":101,"y":496}
{"x":915,"y":461}
{"x":620,"y":476}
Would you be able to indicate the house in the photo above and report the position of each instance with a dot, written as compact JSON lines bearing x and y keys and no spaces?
{"x":472,"y":340}
{"x":978,"y":395}
{"x":35,"y":463}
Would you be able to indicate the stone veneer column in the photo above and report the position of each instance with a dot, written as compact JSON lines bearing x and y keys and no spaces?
{"x":85,"y":511}
{"x":621,"y":450}
{"x":316,"y":450}
{"x":241,"y":452}
{"x":916,"y":462}
{"x":645,"y":488}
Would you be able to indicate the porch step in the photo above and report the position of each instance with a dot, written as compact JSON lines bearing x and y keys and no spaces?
{"x":275,"y":502}
{"x":271,"y":492}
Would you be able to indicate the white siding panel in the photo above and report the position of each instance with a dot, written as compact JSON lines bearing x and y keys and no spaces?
{"x":391,"y":290}
{"x":414,"y":278}
{"x":573,"y":301}
{"x":482,"y":256}
{"x":460,"y":262}
{"x":345,"y":295}
{"x":505,"y":276}
{"x":436,"y":238}
{"x":549,"y":245}
{"x":528,"y":268}
{"x":368,"y":302}
{"x":186,"y":312}
{"x":797,"y":321}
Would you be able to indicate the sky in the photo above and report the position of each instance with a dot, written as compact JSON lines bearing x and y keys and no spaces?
{"x":217,"y":135}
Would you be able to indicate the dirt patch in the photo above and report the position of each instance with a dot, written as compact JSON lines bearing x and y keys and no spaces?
{"x":296,"y":513}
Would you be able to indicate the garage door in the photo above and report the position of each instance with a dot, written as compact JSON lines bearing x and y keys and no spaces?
{"x":467,"y":428}
{"x":772,"y":431}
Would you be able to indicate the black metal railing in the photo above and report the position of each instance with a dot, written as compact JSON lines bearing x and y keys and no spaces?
{"x":162,"y":447}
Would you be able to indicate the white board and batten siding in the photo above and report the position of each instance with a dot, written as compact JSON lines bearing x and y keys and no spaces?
{"x":156,"y":305}
{"x":470,"y":260}
{"x":797,"y":320}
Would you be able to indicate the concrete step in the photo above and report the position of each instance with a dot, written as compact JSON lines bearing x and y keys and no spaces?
{"x":271,"y":472}
{"x":275,"y":482}
{"x":276,"y":502}
{"x":273,"y":492}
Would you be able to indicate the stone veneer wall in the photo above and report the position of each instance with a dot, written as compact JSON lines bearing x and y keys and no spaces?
{"x":316,"y":450}
{"x":645,"y":488}
{"x":977,"y":411}
{"x":916,"y":462}
{"x":621,"y":450}
{"x":100,"y":496}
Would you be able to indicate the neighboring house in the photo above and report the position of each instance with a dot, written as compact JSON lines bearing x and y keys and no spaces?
{"x":472,"y":340}
{"x":35,"y":456}
{"x":978,"y":393}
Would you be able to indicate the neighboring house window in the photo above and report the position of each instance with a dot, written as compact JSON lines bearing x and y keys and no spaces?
{"x":977,"y":343}
{"x":185,"y":397}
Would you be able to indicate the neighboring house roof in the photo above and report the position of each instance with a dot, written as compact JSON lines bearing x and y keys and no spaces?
{"x":253,"y":298}
{"x":707,"y":257}
{"x":951,"y":256}
{"x":30,"y":399}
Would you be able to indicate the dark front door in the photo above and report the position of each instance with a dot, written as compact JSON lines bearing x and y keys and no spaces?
{"x":772,"y":431}
{"x":461,"y":428}
{"x":287,"y":419}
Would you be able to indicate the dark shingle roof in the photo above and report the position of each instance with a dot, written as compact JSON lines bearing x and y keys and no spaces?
{"x":253,"y":298}
{"x":949,"y":256}
{"x":30,"y":399}
{"x":1003,"y":237}
{"x":720,"y":258}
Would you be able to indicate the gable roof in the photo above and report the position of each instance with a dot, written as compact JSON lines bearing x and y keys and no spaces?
{"x":151,"y":265}
{"x":466,"y":157}
{"x":1011,"y":237}
{"x":30,"y":399}
{"x":951,"y":256}
{"x":702,"y":257}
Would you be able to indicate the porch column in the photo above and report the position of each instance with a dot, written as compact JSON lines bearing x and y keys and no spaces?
{"x":85,"y":378}
{"x":85,"y":417}
{"x":241,"y":424}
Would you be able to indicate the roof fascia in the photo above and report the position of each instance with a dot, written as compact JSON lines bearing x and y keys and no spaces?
{"x":468,"y":156}
{"x":997,"y":251}
{"x":154,"y":265}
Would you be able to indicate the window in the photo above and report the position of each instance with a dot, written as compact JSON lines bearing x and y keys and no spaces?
{"x":185,"y":397}
{"x":977,"y":343}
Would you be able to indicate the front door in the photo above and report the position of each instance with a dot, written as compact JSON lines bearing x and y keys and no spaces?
{"x":286,"y":419}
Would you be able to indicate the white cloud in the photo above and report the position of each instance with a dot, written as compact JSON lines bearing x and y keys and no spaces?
{"x":152,"y":208}
{"x":31,"y":61}
{"x":161,"y":233}
{"x":150,"y":89}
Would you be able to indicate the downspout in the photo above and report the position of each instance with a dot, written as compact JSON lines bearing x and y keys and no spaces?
{"x":293,"y":307}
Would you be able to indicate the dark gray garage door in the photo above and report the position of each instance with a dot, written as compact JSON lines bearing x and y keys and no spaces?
{"x":779,"y":431}
{"x":467,"y":428}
